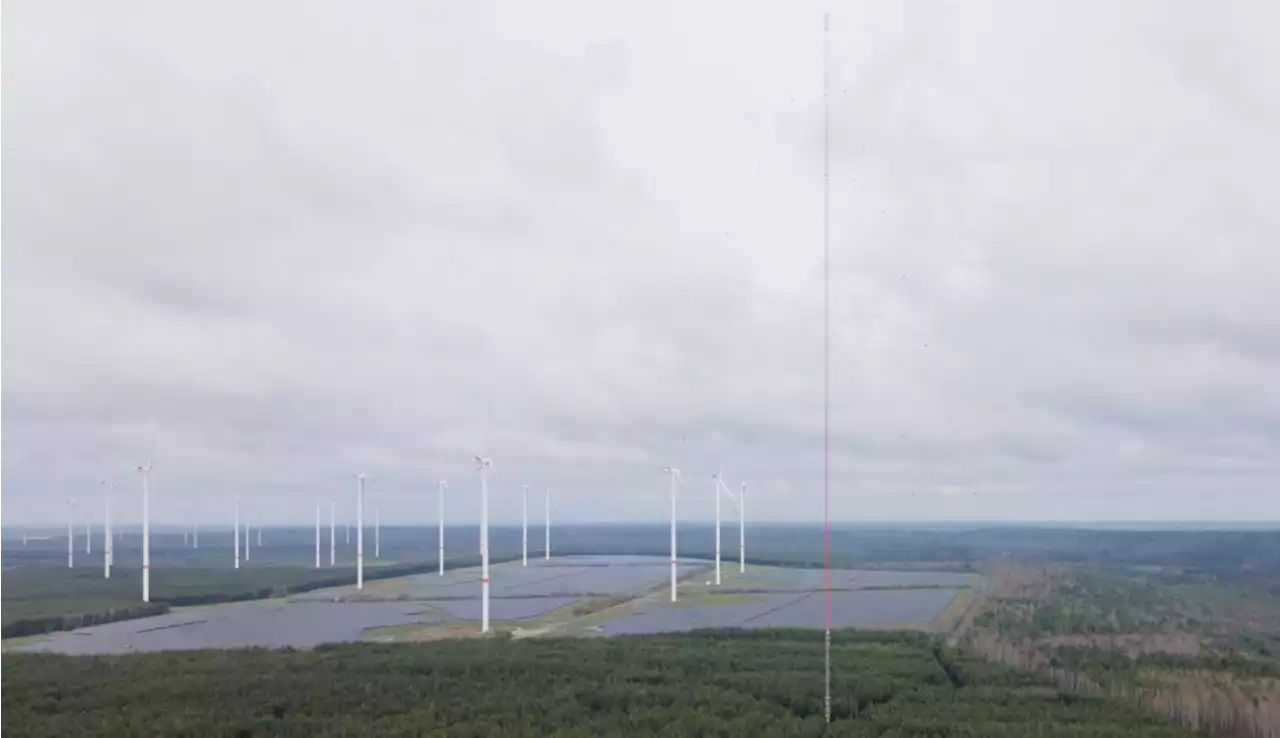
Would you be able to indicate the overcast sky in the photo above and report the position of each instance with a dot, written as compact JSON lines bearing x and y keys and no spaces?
{"x":266,"y":245}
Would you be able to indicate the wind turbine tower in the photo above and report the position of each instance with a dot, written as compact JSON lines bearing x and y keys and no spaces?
{"x":333,"y":532}
{"x":360,"y":531}
{"x":742,"y":529}
{"x":742,"y":561}
{"x":719,"y":483}
{"x":145,"y":470}
{"x":71,"y":536}
{"x":441,"y":488}
{"x":236,"y":527}
{"x":546,"y":517}
{"x":484,"y":464}
{"x":107,"y":548}
{"x":317,"y":535}
{"x":524,"y":528}
{"x":674,"y":474}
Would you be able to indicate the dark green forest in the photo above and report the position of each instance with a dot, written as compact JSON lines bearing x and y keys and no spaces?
{"x":710,"y":683}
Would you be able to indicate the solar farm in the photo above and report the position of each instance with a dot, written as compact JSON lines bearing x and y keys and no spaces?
{"x":584,"y":596}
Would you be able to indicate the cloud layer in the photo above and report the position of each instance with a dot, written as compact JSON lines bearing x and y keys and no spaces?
{"x":268,"y":248}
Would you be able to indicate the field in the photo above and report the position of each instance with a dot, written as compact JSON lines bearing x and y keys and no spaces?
{"x":711,"y":683}
{"x":573,"y":595}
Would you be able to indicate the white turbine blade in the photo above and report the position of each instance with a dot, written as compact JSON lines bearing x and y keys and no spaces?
{"x":729,"y":492}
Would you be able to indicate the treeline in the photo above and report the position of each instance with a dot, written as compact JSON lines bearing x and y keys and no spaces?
{"x":709,"y":683}
{"x":107,"y":613}
{"x":1249,"y":557}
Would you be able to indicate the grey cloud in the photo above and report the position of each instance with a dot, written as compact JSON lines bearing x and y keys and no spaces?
{"x":384,"y":241}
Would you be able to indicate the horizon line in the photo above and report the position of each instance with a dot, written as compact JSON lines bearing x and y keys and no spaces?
{"x":891,"y":523}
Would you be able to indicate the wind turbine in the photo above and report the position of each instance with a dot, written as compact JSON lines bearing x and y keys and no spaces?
{"x":317,"y":535}
{"x":742,"y":562}
{"x":719,"y":483}
{"x":195,"y":536}
{"x":71,"y":536}
{"x":145,"y":470}
{"x":441,"y":487}
{"x":247,"y":547}
{"x":333,"y":532}
{"x":377,"y":531}
{"x":674,"y":474}
{"x":524,"y":528}
{"x":546,"y":516}
{"x":359,"y":530}
{"x":236,"y":527}
{"x":484,"y":464}
{"x":742,"y":528}
{"x":88,"y":537}
{"x":107,"y":548}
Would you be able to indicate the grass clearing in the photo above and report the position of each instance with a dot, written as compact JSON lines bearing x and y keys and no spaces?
{"x":711,"y":599}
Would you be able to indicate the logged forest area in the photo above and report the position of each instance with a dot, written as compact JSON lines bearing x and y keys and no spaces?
{"x":1199,"y":648}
